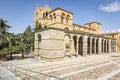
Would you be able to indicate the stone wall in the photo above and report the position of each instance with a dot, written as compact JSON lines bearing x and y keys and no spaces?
{"x":51,"y":45}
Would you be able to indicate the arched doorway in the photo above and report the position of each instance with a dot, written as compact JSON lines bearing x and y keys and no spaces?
{"x":88,"y":46}
{"x":111,"y":46}
{"x":96,"y":46}
{"x":67,"y":43}
{"x":102,"y":46}
{"x":108,"y":46}
{"x":75,"y":43}
{"x":80,"y":46}
{"x":105,"y":46}
{"x":93,"y":41}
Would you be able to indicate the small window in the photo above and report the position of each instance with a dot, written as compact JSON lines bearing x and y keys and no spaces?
{"x":37,"y":13}
{"x":46,"y":13}
{"x":66,"y":29}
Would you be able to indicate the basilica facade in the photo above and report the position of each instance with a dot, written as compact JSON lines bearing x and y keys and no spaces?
{"x":60,"y":37}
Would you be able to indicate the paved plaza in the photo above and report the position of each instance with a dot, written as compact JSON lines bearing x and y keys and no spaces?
{"x":92,"y":67}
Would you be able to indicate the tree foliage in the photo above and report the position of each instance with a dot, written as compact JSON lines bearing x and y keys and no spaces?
{"x":4,"y":35}
{"x":15,"y":43}
{"x":28,"y":38}
{"x":38,"y":26}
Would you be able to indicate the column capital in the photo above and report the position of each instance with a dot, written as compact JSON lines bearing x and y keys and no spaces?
{"x":95,"y":38}
{"x":99,"y":39}
{"x":85,"y":36}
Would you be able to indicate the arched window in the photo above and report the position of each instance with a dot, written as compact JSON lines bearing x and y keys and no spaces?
{"x":66,"y":29}
{"x":46,"y":13}
{"x":67,"y":18}
{"x":36,"y":13}
{"x":67,"y":43}
{"x":54,"y":16}
{"x":62,"y":17}
{"x":50,"y":17}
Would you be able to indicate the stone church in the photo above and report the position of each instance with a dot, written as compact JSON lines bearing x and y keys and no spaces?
{"x":61,"y":38}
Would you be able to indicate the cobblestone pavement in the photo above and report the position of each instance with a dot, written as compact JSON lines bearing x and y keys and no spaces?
{"x":92,"y":67}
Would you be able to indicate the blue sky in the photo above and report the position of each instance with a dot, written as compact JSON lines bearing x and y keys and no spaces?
{"x":19,"y":13}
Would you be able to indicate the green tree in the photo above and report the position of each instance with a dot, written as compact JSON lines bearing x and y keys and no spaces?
{"x":4,"y":31}
{"x":4,"y":37}
{"x":28,"y":37}
{"x":38,"y":26}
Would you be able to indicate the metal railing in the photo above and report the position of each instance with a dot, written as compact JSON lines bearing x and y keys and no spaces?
{"x":26,"y":74}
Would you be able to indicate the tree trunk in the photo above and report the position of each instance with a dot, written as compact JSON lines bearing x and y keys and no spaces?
{"x":11,"y":56}
{"x":22,"y":53}
{"x":4,"y":57}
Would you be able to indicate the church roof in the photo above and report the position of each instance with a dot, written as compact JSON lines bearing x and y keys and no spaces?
{"x":61,"y":9}
{"x":76,"y":32}
{"x":84,"y":27}
{"x":92,"y":22}
{"x":111,"y":33}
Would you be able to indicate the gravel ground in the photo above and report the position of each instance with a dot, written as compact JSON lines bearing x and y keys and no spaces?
{"x":94,"y":73}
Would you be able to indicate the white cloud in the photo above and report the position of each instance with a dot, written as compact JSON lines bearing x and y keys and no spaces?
{"x":112,"y":7}
{"x":116,"y":30}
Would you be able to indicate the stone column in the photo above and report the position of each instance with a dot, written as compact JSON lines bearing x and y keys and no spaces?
{"x":64,"y":20}
{"x":77,"y":42}
{"x":71,"y":41}
{"x":94,"y":45}
{"x":85,"y":45}
{"x":109,"y":46}
{"x":99,"y":45}
{"x":91,"y":45}
{"x":72,"y":45}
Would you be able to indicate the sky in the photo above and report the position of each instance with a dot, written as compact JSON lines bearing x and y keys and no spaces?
{"x":19,"y":13}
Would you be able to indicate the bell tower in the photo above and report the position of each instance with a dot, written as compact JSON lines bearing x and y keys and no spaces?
{"x":41,"y":14}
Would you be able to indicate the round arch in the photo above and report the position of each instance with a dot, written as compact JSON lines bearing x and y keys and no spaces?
{"x":96,"y":46}
{"x":88,"y":45}
{"x":93,"y":41}
{"x":105,"y":46}
{"x":102,"y":46}
{"x":66,"y":29}
{"x":67,"y":43}
{"x":75,"y":43}
{"x":80,"y":46}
